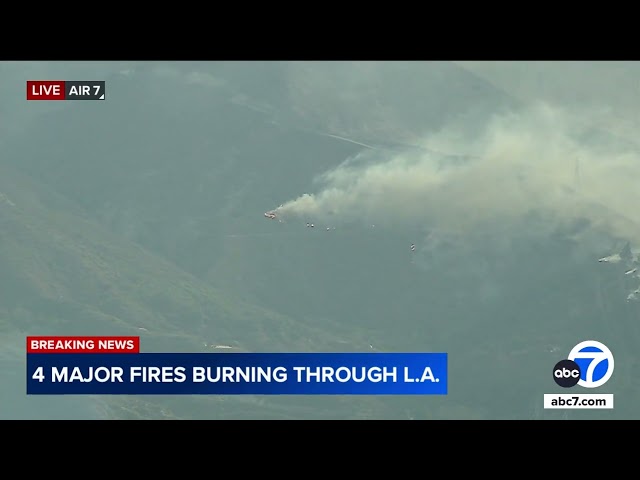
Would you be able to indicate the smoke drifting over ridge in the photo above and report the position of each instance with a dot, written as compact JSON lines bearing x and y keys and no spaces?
{"x":536,"y":164}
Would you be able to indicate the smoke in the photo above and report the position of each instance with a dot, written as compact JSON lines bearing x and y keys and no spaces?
{"x":539,"y":169}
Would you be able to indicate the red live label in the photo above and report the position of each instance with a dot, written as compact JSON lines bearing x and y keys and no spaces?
{"x":45,"y":90}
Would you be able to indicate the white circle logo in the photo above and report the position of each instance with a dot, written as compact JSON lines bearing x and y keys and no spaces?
{"x":595,"y":361}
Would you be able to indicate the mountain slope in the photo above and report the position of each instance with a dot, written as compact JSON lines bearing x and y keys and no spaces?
{"x":159,"y":195}
{"x":184,"y":158}
{"x":64,"y":274}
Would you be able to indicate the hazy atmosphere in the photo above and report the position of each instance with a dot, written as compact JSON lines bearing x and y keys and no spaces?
{"x":457,"y":207}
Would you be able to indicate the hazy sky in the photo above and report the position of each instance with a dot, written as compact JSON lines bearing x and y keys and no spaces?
{"x":608,"y":91}
{"x":540,"y":160}
{"x":561,"y":170}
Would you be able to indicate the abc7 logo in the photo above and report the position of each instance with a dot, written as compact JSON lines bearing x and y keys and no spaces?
{"x":568,"y":373}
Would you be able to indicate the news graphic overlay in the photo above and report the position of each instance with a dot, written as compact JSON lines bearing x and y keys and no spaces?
{"x":566,"y":373}
{"x":595,"y":361}
{"x":589,"y":365}
{"x":115,"y":366}
{"x":66,"y":89}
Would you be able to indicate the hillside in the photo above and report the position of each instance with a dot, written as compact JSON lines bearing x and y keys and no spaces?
{"x":188,"y":175}
{"x":64,"y":274}
{"x":146,"y":211}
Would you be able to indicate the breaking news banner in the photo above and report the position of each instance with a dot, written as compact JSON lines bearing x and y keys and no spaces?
{"x":115,"y":366}
{"x":66,"y":90}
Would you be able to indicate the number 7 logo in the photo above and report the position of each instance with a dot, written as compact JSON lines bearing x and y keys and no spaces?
{"x":595,"y":361}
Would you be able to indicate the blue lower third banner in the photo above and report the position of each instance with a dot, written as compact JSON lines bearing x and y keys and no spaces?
{"x":237,"y":374}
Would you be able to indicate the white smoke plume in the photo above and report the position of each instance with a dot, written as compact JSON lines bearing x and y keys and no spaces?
{"x":537,"y":164}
